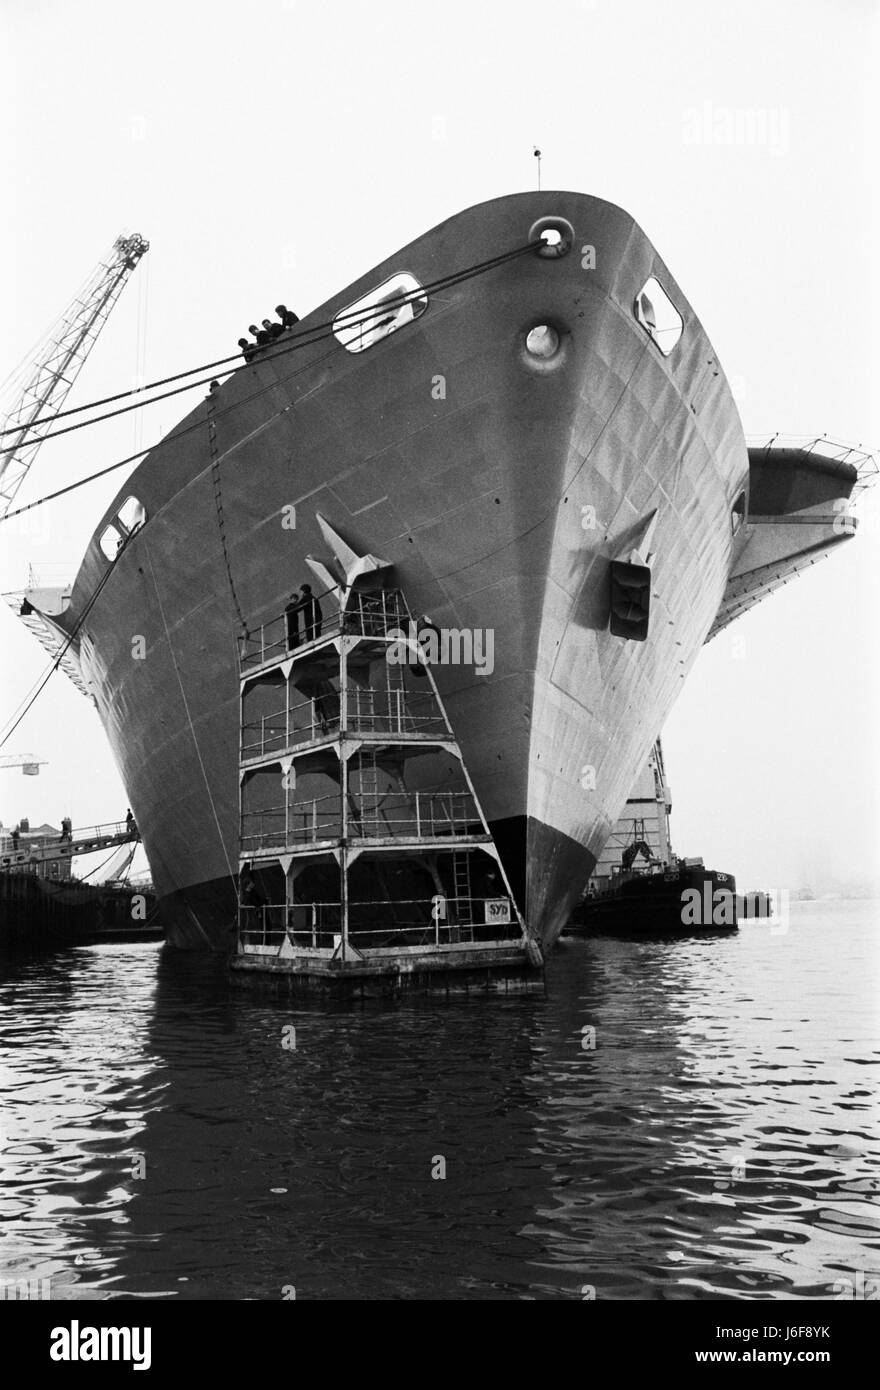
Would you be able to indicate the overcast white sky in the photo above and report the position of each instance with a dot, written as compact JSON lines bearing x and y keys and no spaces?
{"x":279,"y":149}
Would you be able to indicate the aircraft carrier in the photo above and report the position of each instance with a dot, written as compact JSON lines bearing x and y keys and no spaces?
{"x":545,"y":448}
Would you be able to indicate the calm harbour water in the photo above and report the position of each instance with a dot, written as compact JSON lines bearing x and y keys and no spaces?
{"x":719,"y":1141}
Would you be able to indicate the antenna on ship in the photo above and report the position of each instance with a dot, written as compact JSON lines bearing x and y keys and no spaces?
{"x":537,"y":153}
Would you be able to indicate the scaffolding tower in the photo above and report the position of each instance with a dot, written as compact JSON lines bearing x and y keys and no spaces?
{"x":363,"y":847}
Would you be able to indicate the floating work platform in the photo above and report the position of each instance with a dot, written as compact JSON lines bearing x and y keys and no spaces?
{"x":366,"y":863}
{"x":443,"y":971}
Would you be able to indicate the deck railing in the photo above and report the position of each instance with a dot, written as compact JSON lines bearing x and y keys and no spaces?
{"x":431,"y":815}
{"x":403,"y":713}
{"x":309,"y":821}
{"x":374,"y":925}
{"x":27,"y":841}
{"x":367,"y":614}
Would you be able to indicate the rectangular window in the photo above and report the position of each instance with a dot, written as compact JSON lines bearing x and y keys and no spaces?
{"x":380,"y":313}
{"x":657,"y":314}
{"x":131,"y":514}
{"x":110,"y":542}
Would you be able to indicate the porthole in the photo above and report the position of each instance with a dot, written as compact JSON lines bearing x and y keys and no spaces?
{"x":542,"y":341}
{"x":543,"y":347}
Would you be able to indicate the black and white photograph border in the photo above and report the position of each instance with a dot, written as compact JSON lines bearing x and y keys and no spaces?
{"x":453,"y":433}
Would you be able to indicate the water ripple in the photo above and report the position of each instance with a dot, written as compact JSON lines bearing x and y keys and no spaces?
{"x":717,"y":1141}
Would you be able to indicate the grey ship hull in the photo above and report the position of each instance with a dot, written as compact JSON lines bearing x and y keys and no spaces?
{"x":477,"y":496}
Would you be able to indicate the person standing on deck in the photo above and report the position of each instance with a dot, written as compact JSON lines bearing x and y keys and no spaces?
{"x":291,"y":616}
{"x":287,"y":317}
{"x":312,"y":615}
{"x":248,"y":888}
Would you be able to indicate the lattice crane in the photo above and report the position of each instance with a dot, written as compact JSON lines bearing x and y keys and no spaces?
{"x":44,"y":380}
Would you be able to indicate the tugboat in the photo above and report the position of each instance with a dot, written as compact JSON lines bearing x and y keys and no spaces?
{"x":681,"y":896}
{"x":641,"y":886}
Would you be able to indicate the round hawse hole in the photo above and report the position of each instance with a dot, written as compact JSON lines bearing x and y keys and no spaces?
{"x":552,"y":236}
{"x":542,"y":341}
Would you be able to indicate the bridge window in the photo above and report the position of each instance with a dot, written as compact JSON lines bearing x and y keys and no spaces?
{"x":111,"y":540}
{"x":658,"y":315}
{"x":380,"y":313}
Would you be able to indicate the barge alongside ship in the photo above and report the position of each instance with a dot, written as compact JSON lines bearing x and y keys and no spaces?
{"x":545,"y":448}
{"x":38,"y":914}
{"x":681,"y":897}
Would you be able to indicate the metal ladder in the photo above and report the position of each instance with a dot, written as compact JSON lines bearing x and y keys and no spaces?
{"x":366,"y":711}
{"x":400,"y":719}
{"x":464,"y":910}
{"x":368,"y":779}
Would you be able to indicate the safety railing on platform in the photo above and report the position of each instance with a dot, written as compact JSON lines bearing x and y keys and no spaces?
{"x":864,"y":461}
{"x":443,"y":920}
{"x":402,"y":713}
{"x":313,"y":925}
{"x":262,"y":926}
{"x":268,"y":734}
{"x":305,"y":823}
{"x":95,"y":832}
{"x":432,"y":815}
{"x":26,"y":841}
{"x":368,"y":614}
{"x":437,"y":921}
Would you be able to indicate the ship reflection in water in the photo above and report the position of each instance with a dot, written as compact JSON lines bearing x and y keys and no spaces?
{"x":712,"y":1143}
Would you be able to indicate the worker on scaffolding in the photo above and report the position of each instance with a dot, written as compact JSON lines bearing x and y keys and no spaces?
{"x":130,"y":825}
{"x":310,"y":608}
{"x":248,"y":889}
{"x":291,"y":618}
